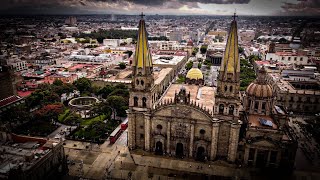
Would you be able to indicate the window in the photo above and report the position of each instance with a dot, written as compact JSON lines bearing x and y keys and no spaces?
{"x":142,"y":82}
{"x":135,"y":101}
{"x":159,"y":126}
{"x":289,"y":58}
{"x":282,"y":58}
{"x":144,"y":102}
{"x":301,"y":59}
{"x":273,"y":156}
{"x":263,"y":106}
{"x":141,"y":136}
{"x":256,"y":105}
{"x":231,"y":88}
{"x":141,"y":127}
{"x":295,"y":58}
{"x":137,"y":82}
{"x":221,"y":108}
{"x":225,"y":88}
{"x":231,"y":109}
{"x":202,"y":131}
{"x":251,"y":156}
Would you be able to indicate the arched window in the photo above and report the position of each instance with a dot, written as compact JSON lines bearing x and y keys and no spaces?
{"x":231,"y":88}
{"x":256,"y":105}
{"x":231,"y":109}
{"x":225,"y":88}
{"x":135,"y":101}
{"x":137,"y":82}
{"x":202,"y":131}
{"x":159,"y":126}
{"x":144,"y":102}
{"x":221,"y":108}
{"x":142,"y":82}
{"x":263,"y":108}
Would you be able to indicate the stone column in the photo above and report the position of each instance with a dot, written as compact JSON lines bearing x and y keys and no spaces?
{"x":268,"y":159}
{"x":233,"y":142}
{"x":214,"y":140}
{"x":278,"y":158}
{"x":168,"y":136}
{"x":191,"y":139}
{"x":147,"y":131}
{"x":246,"y":155}
{"x":131,"y":131}
{"x":255,"y":157}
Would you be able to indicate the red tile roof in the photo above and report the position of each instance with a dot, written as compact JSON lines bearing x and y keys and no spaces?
{"x":9,"y":100}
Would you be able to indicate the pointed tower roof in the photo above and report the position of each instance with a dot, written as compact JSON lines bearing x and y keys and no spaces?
{"x":142,"y":58}
{"x":231,"y":62}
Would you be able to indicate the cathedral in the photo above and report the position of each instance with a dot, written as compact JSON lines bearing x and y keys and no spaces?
{"x":207,"y":123}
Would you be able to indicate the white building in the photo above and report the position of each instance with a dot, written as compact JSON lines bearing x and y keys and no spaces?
{"x":18,"y":65}
{"x":111,"y":42}
{"x":287,"y":58}
{"x":166,"y":45}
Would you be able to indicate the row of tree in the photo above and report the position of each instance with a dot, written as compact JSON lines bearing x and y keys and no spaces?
{"x":247,"y":74}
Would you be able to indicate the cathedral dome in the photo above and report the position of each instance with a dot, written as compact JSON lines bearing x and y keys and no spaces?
{"x":194,"y":73}
{"x":260,"y":88}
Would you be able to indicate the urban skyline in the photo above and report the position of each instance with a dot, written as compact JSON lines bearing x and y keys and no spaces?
{"x":164,"y":7}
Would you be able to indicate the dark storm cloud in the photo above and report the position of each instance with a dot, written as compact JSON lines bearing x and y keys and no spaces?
{"x":58,"y":6}
{"x":311,"y":7}
{"x":162,"y":2}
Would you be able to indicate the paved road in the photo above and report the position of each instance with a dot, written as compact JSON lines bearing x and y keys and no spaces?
{"x":61,"y":131}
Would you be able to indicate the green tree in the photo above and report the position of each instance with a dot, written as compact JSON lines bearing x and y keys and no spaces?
{"x":57,"y":82}
{"x":83,"y":84}
{"x":105,"y":91}
{"x":72,"y":119}
{"x":189,"y":65}
{"x":203,"y":49}
{"x":122,"y":65}
{"x":118,"y":103}
{"x":241,"y":50}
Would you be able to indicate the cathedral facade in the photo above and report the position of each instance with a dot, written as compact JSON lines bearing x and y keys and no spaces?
{"x":205,"y":123}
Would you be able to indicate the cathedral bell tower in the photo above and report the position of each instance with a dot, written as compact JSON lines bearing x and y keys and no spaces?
{"x":142,"y":75}
{"x":142,"y":92}
{"x":227,"y":99}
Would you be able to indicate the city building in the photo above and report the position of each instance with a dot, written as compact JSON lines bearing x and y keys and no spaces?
{"x":7,"y":81}
{"x":31,"y":158}
{"x":111,"y":42}
{"x":207,"y":124}
{"x":297,"y":91}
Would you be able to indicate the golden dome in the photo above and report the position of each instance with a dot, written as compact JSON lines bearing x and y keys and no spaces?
{"x":259,"y":90}
{"x":194,"y":73}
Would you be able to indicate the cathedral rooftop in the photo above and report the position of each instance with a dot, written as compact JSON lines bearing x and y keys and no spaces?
{"x":254,"y":121}
{"x":201,"y":95}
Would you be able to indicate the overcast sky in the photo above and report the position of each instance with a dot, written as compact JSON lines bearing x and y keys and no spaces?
{"x":179,"y":7}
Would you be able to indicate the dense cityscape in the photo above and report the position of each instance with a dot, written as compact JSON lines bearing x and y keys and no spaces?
{"x":158,"y":96}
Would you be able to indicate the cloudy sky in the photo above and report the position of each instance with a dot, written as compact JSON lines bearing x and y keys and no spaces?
{"x":179,"y":7}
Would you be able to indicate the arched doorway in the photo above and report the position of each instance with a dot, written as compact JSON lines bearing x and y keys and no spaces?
{"x":159,"y":148}
{"x":179,"y":150}
{"x":200,"y":153}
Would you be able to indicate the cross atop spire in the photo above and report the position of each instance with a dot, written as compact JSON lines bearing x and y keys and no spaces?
{"x":142,"y":15}
{"x":234,"y":16}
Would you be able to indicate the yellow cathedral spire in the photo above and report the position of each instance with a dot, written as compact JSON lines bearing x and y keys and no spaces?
{"x":231,"y":63}
{"x":142,"y":58}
